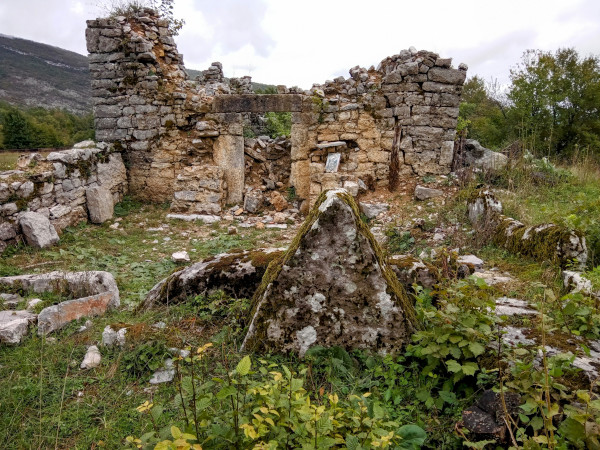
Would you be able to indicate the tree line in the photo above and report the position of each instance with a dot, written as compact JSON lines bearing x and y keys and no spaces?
{"x":552,"y":105}
{"x":23,"y":128}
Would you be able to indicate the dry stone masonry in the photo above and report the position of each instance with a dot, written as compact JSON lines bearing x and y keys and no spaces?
{"x":183,"y":140}
{"x":47,"y":194}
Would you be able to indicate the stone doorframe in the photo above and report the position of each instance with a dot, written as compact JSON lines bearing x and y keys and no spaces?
{"x":229,"y":147}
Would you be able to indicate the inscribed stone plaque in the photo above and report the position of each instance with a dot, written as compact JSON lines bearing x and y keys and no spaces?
{"x":333,"y":162}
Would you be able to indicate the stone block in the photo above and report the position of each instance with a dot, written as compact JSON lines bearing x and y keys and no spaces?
{"x":99,"y":204}
{"x":38,"y":230}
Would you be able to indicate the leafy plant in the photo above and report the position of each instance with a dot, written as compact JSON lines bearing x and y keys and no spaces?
{"x":399,"y":241}
{"x":145,"y":358}
{"x":271,"y":407}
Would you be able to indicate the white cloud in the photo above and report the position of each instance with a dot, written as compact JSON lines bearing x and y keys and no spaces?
{"x":298,"y":43}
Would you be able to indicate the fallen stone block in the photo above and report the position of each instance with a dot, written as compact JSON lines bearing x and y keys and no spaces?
{"x":57,"y":316}
{"x":372,"y":210}
{"x":100,"y":204}
{"x":38,"y":230}
{"x":546,"y":241}
{"x":425,"y":193}
{"x":332,"y":287}
{"x":14,"y":325}
{"x":237,"y":274}
{"x":95,"y":292}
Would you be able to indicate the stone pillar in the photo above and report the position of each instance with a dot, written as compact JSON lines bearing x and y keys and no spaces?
{"x":229,"y":155}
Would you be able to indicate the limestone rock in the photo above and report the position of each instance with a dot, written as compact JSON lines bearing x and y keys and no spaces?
{"x":97,"y":291}
{"x":470,"y":260}
{"x":425,"y":193}
{"x":253,"y":201}
{"x":7,"y":231}
{"x":180,"y":257}
{"x":478,"y":156}
{"x":372,"y":210}
{"x":38,"y":230}
{"x":100,"y":204}
{"x":278,"y":202}
{"x":111,"y":337}
{"x":165,"y":374}
{"x":332,"y":287}
{"x":10,"y":301}
{"x":237,"y":274}
{"x":14,"y":325}
{"x":57,"y":316}
{"x":411,"y":270}
{"x":92,"y":358}
{"x":73,"y":284}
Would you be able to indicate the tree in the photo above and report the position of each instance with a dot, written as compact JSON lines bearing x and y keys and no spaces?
{"x":484,"y":110}
{"x":17,"y":130}
{"x":556,"y":100}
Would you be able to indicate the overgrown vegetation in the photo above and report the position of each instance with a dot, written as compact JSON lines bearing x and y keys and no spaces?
{"x":22,"y":128}
{"x":551,"y":105}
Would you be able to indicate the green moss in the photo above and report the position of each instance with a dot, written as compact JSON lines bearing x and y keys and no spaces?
{"x":277,"y":264}
{"x":542,"y":245}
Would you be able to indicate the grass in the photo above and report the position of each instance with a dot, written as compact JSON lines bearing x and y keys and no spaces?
{"x":98,"y":408}
{"x":8,"y":160}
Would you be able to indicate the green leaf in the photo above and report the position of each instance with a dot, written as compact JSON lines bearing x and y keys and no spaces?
{"x":243,"y":366}
{"x":176,"y":432}
{"x":479,"y":445}
{"x":453,"y":366}
{"x":156,"y":412}
{"x":352,"y":442}
{"x":448,"y":397}
{"x":476,"y":348}
{"x":412,"y":436}
{"x":227,"y":391}
{"x":470,"y":368}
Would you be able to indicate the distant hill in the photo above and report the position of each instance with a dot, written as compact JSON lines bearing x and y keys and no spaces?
{"x":35,"y":74}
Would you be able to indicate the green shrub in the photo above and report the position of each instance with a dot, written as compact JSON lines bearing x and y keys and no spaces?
{"x":270,"y":408}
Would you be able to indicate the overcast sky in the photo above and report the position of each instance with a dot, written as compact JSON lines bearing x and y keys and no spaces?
{"x":310,"y":41}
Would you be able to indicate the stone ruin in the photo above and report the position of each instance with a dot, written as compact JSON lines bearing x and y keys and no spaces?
{"x":183,"y":140}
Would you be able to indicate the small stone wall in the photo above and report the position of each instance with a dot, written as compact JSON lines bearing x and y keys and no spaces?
{"x":392,"y":121}
{"x":55,"y":187}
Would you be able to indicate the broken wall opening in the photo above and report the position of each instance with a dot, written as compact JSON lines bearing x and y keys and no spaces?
{"x":183,"y":140}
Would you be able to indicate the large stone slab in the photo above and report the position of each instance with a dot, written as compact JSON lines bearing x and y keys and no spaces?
{"x":94,"y":293}
{"x":332,"y":287}
{"x":237,"y":274}
{"x":100,"y":204}
{"x":57,"y":316}
{"x":38,"y":230}
{"x":258,"y":103}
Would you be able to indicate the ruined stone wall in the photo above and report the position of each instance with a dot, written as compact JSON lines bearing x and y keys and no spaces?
{"x":55,"y":186}
{"x":409,"y":102}
{"x":183,"y":140}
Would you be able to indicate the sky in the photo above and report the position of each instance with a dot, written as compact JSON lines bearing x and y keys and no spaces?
{"x":301,"y":43}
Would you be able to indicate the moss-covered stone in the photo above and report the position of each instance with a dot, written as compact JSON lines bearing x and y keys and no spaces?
{"x":543,"y":242}
{"x":237,"y":273}
{"x":332,"y":286}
